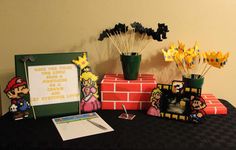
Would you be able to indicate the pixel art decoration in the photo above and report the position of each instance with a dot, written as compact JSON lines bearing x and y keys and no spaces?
{"x":16,"y":90}
{"x":89,"y":86}
{"x":178,"y":102}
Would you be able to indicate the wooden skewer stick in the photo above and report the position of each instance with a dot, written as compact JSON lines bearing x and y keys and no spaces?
{"x":140,"y":41}
{"x":182,"y":69}
{"x":182,"y":65}
{"x":109,"y":36}
{"x":123,"y":35}
{"x":185,"y":69}
{"x":130,"y":40}
{"x":133,"y":39}
{"x":121,"y":43}
{"x":126,"y":41}
{"x":114,"y":43}
{"x":118,"y":41}
{"x":146,"y":44}
{"x":143,"y":36}
{"x":198,"y":63}
{"x":206,"y":71}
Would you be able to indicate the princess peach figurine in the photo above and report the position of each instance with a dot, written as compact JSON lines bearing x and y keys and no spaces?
{"x":89,"y":89}
{"x":154,"y":109}
{"x":89,"y":86}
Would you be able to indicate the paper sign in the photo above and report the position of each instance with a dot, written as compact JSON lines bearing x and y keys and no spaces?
{"x":51,"y":84}
{"x":76,"y":126}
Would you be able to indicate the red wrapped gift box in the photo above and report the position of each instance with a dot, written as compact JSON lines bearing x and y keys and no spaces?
{"x":214,"y":106}
{"x":134,"y":94}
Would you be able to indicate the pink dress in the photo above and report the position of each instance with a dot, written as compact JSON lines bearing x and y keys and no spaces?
{"x":89,"y":102}
{"x":152,"y":111}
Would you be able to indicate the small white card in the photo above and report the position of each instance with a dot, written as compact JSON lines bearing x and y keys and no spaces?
{"x":77,"y":126}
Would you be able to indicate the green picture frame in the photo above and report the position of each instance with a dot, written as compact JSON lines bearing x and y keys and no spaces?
{"x":22,"y":62}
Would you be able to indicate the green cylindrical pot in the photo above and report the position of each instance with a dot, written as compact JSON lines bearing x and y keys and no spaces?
{"x":130,"y":65}
{"x":194,"y":81}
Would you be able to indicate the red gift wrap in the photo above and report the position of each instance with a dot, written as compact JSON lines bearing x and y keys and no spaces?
{"x":214,"y":106}
{"x":134,"y":94}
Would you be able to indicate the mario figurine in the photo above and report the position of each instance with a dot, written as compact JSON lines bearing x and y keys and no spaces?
{"x":197,"y":105}
{"x":16,"y":90}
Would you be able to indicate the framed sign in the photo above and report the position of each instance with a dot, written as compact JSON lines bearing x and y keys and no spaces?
{"x":180,"y":102}
{"x":53,"y":80}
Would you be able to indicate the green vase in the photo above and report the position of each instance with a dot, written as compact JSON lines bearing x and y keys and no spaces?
{"x":193,"y":81}
{"x":130,"y":65}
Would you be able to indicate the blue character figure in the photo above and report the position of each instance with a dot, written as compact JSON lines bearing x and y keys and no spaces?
{"x":16,"y":89}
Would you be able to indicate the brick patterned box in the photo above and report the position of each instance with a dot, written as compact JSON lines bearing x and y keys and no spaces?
{"x":214,"y":106}
{"x":134,"y":94}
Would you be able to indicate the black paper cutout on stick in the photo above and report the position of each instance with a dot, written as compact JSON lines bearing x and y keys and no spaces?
{"x":119,"y":28}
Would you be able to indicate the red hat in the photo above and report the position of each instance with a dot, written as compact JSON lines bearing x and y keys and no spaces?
{"x":14,"y":83}
{"x":202,"y":100}
{"x":197,"y":99}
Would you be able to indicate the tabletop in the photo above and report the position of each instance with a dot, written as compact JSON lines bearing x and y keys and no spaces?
{"x":144,"y":132}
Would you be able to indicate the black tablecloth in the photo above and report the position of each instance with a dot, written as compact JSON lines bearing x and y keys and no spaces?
{"x":144,"y":132}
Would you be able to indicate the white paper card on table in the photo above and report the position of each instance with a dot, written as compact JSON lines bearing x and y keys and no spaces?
{"x":77,"y":126}
{"x":52,"y":84}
